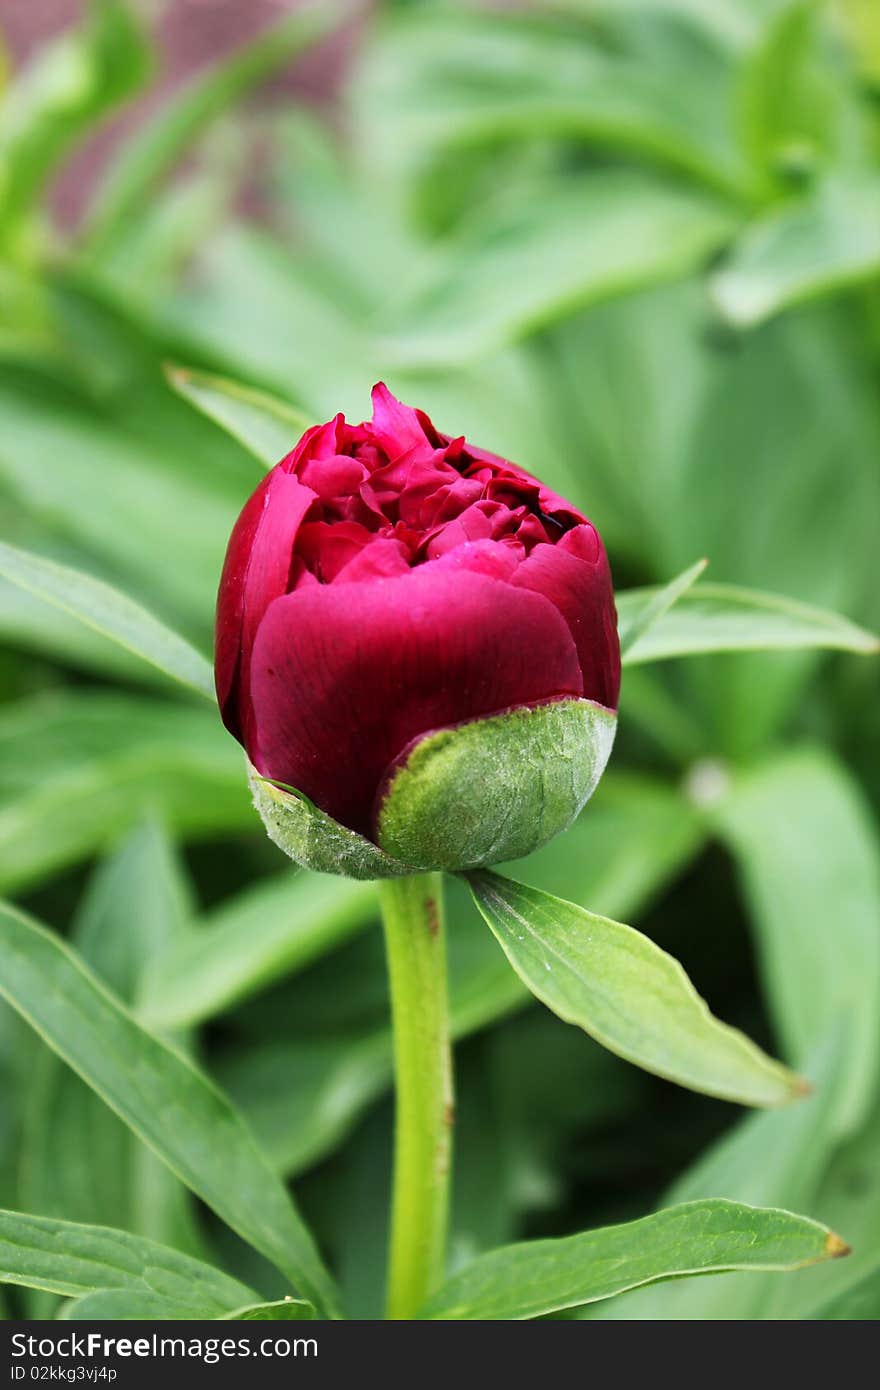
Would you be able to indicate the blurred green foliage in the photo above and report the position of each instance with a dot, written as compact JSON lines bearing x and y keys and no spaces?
{"x":634,"y":245}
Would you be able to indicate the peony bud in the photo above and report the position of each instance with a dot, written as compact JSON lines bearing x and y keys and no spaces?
{"x":418,"y":642}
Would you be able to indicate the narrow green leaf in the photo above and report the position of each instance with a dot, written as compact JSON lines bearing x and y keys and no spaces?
{"x":134,"y":907}
{"x":609,"y":234}
{"x":272,"y":930}
{"x":79,"y":768}
{"x":262,"y":312}
{"x":451,"y":85}
{"x":626,"y":993}
{"x":861,"y":23}
{"x":161,"y":537}
{"x":544,"y":1276}
{"x":266,"y":426}
{"x":304,"y":1096}
{"x":818,"y":246}
{"x":68,"y":1258}
{"x":807,"y":851}
{"x":725,"y":618}
{"x":66,"y":818}
{"x":107,"y":611}
{"x":30,"y":625}
{"x":127,"y":1305}
{"x":151,"y":153}
{"x":765,"y":1159}
{"x":160,"y":1095}
{"x":282,"y":1310}
{"x":643,"y":616}
{"x":859,"y":1303}
{"x":115,"y":1305}
{"x":304,"y":1093}
{"x":783,"y":101}
{"x":849,"y":1198}
{"x":68,"y":85}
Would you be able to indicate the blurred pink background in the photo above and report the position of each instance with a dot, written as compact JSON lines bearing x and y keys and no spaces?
{"x":189,"y":34}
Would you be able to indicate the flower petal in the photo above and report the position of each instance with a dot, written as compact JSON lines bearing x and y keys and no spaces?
{"x":344,"y":677}
{"x":256,"y":571}
{"x":397,"y":427}
{"x":581,"y":590}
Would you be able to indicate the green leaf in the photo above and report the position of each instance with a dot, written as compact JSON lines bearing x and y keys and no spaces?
{"x":640,"y":832}
{"x":862,"y":24}
{"x":642,"y":616}
{"x":30,"y":625}
{"x":860,"y":1302}
{"x":458,"y":88}
{"x":544,"y":1276}
{"x":263,"y":313}
{"x":68,"y":85}
{"x":783,"y":95}
{"x":155,"y":149}
{"x":283,"y":1310}
{"x":554,"y":253}
{"x":271,"y":931}
{"x":808,"y":401}
{"x":59,"y":730}
{"x":122,"y":1305}
{"x":134,"y":908}
{"x":724,"y":618}
{"x":763,"y":1160}
{"x":125,"y":1305}
{"x":107,"y":611}
{"x":67,"y":1258}
{"x":304,"y":1096}
{"x":730,"y":21}
{"x":495,"y":788}
{"x":165,"y":1100}
{"x":817,"y":246}
{"x":78,"y":769}
{"x":807,"y":851}
{"x":626,"y":993}
{"x":846,"y":1193}
{"x":266,"y":426}
{"x":304,"y":1093}
{"x":162,"y":536}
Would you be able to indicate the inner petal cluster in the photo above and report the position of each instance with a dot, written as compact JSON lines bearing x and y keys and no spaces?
{"x":393,"y":493}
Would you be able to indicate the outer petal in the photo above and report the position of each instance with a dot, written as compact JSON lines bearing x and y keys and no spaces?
{"x":344,"y":677}
{"x":581,"y":590}
{"x":256,"y":571}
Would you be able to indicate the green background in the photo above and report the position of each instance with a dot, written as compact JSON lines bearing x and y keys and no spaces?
{"x":635,"y":246}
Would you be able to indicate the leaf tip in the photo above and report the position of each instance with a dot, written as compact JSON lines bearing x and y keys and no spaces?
{"x":176,"y":375}
{"x":865,"y":642}
{"x":792,"y":1088}
{"x":836,"y":1247}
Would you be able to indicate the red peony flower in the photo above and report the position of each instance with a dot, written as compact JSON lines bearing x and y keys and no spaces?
{"x":386,"y":581}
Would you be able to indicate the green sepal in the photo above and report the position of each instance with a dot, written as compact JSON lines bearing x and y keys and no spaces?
{"x":315,"y":840}
{"x":495,"y":789}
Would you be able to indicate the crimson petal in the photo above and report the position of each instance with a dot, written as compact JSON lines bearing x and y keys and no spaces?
{"x":256,"y":571}
{"x":582,"y":592}
{"x":344,"y":677}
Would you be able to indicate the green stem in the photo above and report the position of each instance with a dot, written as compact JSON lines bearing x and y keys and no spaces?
{"x":412,"y":910}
